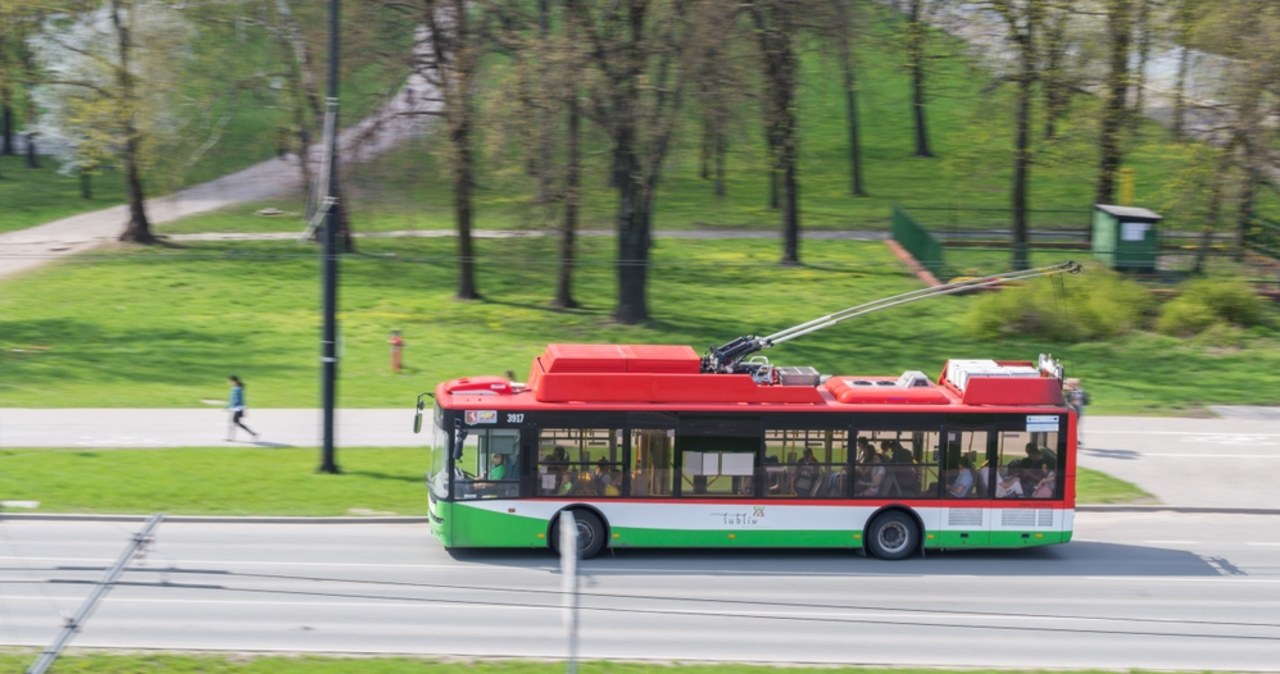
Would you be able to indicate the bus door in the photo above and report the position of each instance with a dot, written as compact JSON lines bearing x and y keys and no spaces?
{"x":718,"y":456}
{"x":968,"y":481}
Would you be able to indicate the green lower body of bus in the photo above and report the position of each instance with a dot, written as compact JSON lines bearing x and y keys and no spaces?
{"x":491,"y":524}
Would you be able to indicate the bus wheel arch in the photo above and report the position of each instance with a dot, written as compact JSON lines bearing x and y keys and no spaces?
{"x":893,"y":533}
{"x":593,"y":530}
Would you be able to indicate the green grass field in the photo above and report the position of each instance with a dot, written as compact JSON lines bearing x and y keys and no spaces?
{"x":35,"y":196}
{"x":269,"y":481}
{"x":163,"y":327}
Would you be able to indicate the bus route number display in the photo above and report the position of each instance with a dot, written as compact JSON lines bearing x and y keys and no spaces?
{"x":1042,"y":422}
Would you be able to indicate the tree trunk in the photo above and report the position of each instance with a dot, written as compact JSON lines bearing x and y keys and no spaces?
{"x":33,"y":156}
{"x":460,"y":136}
{"x":856,"y":188}
{"x":1144,"y":53}
{"x":30,"y":114}
{"x":6,"y":102}
{"x":1180,"y":93}
{"x":1054,"y":85}
{"x":1022,"y":170}
{"x":775,"y":191}
{"x":86,"y":184}
{"x":633,"y":233}
{"x":1216,"y":189}
{"x":544,"y":112}
{"x":568,"y":252}
{"x":1114,"y":113}
{"x":916,"y":64}
{"x":1245,"y":215}
{"x":722,"y":150}
{"x":139,"y":228}
{"x":791,"y":208}
{"x":6,"y":125}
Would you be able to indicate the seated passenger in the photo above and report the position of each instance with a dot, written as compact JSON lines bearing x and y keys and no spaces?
{"x":1046,"y":485}
{"x":1007,"y":486}
{"x":873,"y":478}
{"x":962,"y":485}
{"x":604,"y":480}
{"x":807,"y":475}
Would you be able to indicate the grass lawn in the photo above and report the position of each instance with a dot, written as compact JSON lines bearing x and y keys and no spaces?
{"x":36,"y":196}
{"x":165,"y":663}
{"x":163,"y":327}
{"x":258,"y":481}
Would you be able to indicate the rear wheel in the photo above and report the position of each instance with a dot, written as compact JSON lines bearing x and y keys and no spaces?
{"x":893,"y":535}
{"x":591,"y":534}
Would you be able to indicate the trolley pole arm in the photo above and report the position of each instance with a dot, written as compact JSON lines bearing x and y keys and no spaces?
{"x":728,"y":357}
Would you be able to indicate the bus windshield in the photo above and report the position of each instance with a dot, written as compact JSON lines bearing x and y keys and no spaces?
{"x":438,"y":442}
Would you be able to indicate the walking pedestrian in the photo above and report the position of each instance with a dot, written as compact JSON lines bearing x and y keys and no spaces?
{"x":236,"y":405}
{"x":1076,"y":397}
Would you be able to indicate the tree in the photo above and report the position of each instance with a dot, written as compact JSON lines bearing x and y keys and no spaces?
{"x":1055,"y":82}
{"x":638,"y":50}
{"x":306,"y":111}
{"x":776,"y":24}
{"x":841,"y":33}
{"x":1022,"y":19}
{"x":1119,"y":17}
{"x":917,"y":65}
{"x":1184,"y":17}
{"x":108,"y":78}
{"x":447,"y":54}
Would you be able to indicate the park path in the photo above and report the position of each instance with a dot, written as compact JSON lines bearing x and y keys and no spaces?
{"x":400,"y":118}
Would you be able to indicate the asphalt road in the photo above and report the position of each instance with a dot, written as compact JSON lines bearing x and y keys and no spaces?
{"x":1193,"y":584}
{"x":1150,"y":590}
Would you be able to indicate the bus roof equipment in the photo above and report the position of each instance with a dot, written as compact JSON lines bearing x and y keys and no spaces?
{"x":734,"y":357}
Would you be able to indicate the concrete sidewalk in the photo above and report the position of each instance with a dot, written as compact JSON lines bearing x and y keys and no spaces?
{"x":204,"y":427}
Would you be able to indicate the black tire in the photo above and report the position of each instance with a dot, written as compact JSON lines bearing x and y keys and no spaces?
{"x":893,"y":535}
{"x":591,"y":534}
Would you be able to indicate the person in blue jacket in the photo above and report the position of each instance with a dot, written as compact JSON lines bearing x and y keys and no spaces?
{"x":236,"y":405}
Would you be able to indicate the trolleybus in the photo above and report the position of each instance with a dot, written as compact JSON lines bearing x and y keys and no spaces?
{"x":655,"y":446}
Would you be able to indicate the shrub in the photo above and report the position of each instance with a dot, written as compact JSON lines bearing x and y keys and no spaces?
{"x":1203,"y":303}
{"x":1094,"y":305}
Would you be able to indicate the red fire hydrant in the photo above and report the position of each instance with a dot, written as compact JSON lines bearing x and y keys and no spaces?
{"x":397,"y":345}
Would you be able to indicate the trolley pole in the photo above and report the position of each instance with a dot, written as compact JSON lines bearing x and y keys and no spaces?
{"x":329,"y":340}
{"x":569,"y":585}
{"x":75,"y":622}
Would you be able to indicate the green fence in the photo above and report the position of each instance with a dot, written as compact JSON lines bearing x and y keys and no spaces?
{"x":922,"y":245}
{"x":1264,"y":238}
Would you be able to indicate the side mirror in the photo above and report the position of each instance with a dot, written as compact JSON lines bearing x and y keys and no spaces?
{"x":459,"y":438}
{"x":417,"y":416}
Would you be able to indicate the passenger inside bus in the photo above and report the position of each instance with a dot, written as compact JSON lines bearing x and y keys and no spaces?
{"x":873,"y":476}
{"x":603,"y":480}
{"x":962,"y":483}
{"x":1045,"y":487}
{"x":808,"y":475}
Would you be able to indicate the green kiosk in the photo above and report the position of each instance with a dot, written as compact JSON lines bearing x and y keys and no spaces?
{"x":1126,"y":237}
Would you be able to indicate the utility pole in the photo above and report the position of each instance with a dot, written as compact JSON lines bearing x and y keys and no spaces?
{"x":329,"y":341}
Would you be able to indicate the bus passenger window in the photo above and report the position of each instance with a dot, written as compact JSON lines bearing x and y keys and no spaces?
{"x":806,"y":463}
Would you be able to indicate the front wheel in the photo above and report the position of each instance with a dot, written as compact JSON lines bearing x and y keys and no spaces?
{"x":893,"y":535}
{"x":591,"y":534}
